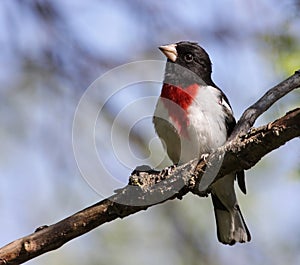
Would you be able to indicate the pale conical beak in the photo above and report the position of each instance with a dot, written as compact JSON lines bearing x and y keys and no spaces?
{"x":170,"y":51}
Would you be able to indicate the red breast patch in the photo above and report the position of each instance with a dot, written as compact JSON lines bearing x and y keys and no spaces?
{"x":183,"y":98}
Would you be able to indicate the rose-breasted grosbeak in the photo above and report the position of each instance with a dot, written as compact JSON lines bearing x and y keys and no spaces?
{"x":193,"y":117}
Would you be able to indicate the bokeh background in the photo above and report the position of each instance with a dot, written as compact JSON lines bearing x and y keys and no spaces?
{"x":51,"y":51}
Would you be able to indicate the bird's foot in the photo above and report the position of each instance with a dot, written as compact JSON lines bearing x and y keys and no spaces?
{"x":204,"y":157}
{"x":143,"y":168}
{"x":168,"y":170}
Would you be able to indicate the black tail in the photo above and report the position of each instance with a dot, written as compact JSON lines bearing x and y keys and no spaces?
{"x":231,"y":226}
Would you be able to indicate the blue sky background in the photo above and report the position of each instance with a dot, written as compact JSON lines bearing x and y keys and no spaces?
{"x":53,"y":50}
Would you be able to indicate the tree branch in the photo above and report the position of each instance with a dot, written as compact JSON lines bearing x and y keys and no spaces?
{"x":152,"y":187}
{"x":265,"y":102}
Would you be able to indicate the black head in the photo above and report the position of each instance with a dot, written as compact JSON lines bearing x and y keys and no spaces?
{"x":191,"y":56}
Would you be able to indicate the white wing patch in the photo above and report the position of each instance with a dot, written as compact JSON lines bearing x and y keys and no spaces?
{"x":226,"y":105}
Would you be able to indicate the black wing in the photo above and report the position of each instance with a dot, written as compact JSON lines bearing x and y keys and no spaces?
{"x":230,"y":124}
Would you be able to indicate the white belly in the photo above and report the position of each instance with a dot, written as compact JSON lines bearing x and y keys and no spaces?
{"x":204,"y":132}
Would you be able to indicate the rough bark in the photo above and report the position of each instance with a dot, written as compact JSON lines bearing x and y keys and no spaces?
{"x":147,"y":188}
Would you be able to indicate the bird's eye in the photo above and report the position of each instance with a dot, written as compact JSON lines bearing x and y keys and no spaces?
{"x":188,"y":57}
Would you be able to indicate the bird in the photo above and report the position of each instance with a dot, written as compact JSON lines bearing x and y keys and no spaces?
{"x":192,"y":118}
